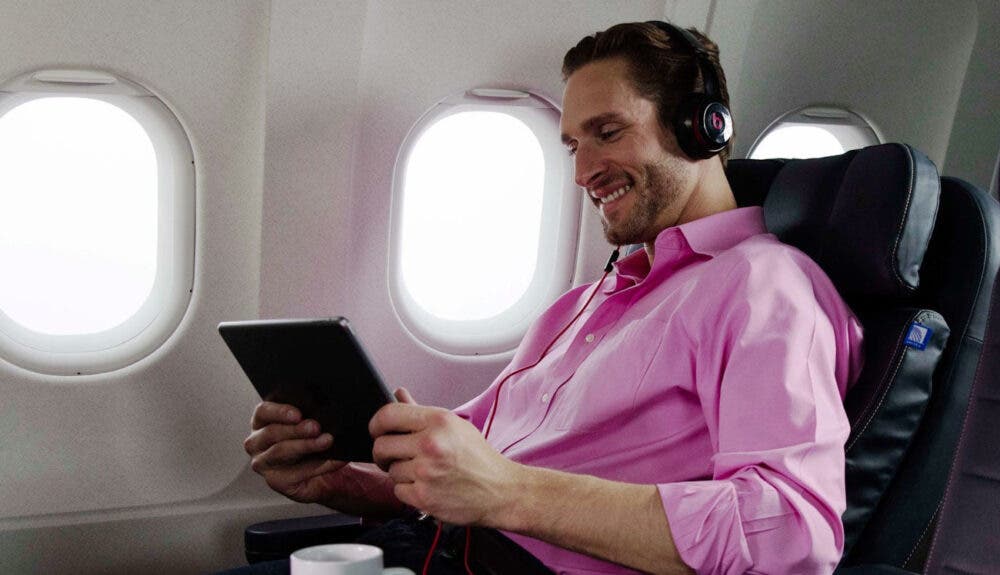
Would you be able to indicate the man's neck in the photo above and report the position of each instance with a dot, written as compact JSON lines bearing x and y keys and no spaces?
{"x":712,"y":195}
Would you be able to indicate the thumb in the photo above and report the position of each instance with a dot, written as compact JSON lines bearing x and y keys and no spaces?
{"x":403,"y":396}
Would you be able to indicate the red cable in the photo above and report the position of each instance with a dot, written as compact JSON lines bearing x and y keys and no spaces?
{"x":493,"y":412}
{"x":434,"y":544}
{"x":468,"y":544}
{"x":496,"y":397}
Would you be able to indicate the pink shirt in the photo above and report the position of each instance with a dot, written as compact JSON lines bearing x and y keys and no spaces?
{"x":718,"y":375}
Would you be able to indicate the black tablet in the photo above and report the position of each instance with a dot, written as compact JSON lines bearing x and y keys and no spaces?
{"x":320,"y":367}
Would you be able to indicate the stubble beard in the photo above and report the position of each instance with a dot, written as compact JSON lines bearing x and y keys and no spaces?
{"x":654,"y":194}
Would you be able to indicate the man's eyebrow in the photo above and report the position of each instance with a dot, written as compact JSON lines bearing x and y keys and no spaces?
{"x":594,"y":123}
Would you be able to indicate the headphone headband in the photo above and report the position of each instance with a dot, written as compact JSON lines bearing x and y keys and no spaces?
{"x":710,"y":79}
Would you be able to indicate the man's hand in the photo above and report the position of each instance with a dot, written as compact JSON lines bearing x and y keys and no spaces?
{"x":440,"y":463}
{"x":277,"y":445}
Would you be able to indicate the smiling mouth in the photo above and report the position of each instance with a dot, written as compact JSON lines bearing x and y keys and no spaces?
{"x":613,"y":196}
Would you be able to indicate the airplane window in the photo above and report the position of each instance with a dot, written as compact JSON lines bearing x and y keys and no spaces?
{"x":96,"y":222}
{"x":814,"y":132}
{"x":482,"y":220}
{"x":460,"y":185}
{"x":77,"y":243}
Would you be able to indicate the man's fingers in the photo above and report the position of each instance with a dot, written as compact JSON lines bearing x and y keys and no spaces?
{"x":262,"y":439}
{"x":390,"y":448}
{"x":293,"y":450}
{"x":286,"y":479}
{"x":404,"y":418}
{"x":403,"y":471}
{"x":407,"y":493}
{"x":403,"y":396}
{"x":268,"y":412}
{"x":393,"y":418}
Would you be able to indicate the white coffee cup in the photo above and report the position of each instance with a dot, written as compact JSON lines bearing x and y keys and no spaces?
{"x":342,"y":559}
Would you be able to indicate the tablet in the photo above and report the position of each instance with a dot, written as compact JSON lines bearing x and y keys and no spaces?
{"x":320,"y":367}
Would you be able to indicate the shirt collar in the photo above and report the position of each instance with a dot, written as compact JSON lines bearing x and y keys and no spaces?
{"x":708,"y":236}
{"x":717,"y":233}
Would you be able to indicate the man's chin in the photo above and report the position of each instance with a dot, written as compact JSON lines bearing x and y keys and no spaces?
{"x":617,"y":237}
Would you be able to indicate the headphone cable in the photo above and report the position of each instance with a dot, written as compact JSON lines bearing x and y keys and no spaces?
{"x":496,"y":401}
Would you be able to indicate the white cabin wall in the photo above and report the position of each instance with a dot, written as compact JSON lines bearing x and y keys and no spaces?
{"x":900,"y":64}
{"x":141,"y":470}
{"x":143,"y":435}
{"x":975,"y":136}
{"x":729,"y":27}
{"x":312,"y":110}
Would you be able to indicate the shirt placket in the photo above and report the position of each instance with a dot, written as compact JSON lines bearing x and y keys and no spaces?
{"x":585,"y":339}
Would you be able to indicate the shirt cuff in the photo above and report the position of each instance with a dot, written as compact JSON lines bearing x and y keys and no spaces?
{"x":705,"y":523}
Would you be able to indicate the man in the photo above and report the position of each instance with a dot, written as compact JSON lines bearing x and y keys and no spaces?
{"x":684,"y":413}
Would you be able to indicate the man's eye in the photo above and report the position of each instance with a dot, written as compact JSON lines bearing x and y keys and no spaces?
{"x":571,"y":151}
{"x":608,"y":134}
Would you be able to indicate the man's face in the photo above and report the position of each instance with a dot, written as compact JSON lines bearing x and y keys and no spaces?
{"x":633,"y":171}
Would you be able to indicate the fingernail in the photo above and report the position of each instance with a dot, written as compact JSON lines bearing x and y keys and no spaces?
{"x":290,"y":414}
{"x":324,"y":440}
{"x":311,"y":427}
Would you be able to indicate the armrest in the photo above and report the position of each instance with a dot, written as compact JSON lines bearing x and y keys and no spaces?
{"x":886,"y":405}
{"x":272,"y":540}
{"x":872,"y":570}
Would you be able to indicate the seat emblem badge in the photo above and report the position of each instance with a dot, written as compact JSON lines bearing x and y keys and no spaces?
{"x":918,"y":336}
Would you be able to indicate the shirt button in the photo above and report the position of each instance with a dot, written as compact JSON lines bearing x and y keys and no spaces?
{"x":589,"y":338}
{"x":545,"y":398}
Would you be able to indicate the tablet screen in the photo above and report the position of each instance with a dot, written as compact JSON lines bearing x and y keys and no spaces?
{"x":320,"y":367}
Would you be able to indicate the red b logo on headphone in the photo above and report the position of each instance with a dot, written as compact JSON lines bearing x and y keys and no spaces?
{"x":717,"y":121}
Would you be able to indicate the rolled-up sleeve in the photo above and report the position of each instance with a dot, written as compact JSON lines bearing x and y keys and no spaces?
{"x":772,"y":369}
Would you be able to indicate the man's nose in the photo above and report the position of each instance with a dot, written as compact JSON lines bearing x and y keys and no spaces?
{"x":589,"y":166}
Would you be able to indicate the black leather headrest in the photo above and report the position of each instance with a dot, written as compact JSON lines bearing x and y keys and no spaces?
{"x":865,"y":217}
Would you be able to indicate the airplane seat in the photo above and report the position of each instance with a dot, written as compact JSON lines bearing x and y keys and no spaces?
{"x":868,"y":218}
{"x":957,"y":280}
{"x":892,"y":533}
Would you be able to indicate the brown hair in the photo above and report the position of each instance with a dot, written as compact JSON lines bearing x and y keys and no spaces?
{"x":661,"y":72}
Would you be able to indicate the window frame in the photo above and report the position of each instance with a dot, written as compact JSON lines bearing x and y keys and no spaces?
{"x":995,"y":181}
{"x":160,"y":314}
{"x":851,"y":128}
{"x":556,"y":251}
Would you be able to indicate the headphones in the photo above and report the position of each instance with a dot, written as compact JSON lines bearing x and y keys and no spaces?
{"x":702,"y":123}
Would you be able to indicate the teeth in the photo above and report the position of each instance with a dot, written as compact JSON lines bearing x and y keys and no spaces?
{"x":614,"y":196}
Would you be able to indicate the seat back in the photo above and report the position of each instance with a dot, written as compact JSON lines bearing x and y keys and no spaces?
{"x":878,"y":222}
